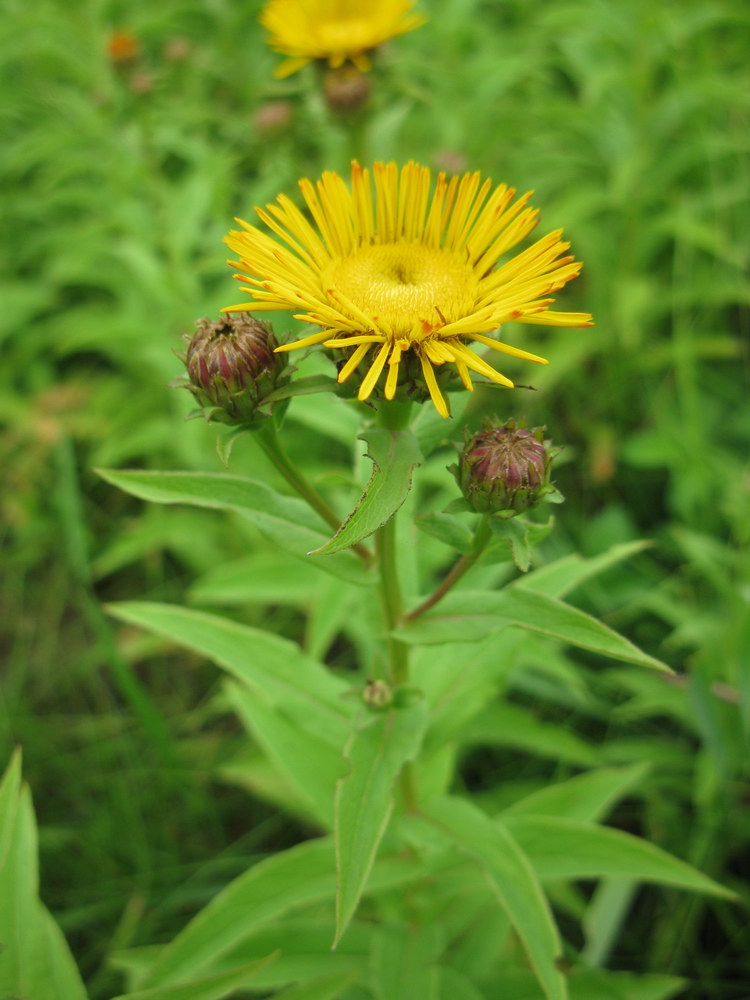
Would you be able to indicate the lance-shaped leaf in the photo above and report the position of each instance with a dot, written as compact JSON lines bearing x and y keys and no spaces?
{"x":287,"y":880}
{"x":213,"y":987}
{"x":287,"y":521}
{"x":470,"y":615}
{"x":404,"y":962}
{"x":364,"y":798}
{"x":561,"y":848}
{"x":585,"y":797}
{"x":394,"y":456}
{"x":308,"y":764}
{"x":267,"y":663}
{"x":509,"y":874}
{"x":35,"y":960}
{"x":560,"y":577}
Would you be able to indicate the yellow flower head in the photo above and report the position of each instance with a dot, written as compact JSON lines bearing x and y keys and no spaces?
{"x":392,"y":270}
{"x":335,"y":30}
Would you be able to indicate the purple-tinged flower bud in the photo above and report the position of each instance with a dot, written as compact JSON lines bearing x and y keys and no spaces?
{"x":272,"y":118}
{"x":505,"y":469}
{"x":346,"y":89}
{"x":232,"y":367}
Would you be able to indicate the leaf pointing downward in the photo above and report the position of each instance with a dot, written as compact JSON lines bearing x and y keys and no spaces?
{"x":394,"y":455}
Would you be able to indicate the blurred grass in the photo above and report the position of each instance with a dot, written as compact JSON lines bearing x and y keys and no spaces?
{"x":632,"y":122}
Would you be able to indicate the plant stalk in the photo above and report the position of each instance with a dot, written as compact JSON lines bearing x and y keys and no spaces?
{"x":456,"y":572}
{"x":268,"y":438}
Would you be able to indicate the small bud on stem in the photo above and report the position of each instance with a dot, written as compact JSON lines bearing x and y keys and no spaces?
{"x":505,"y":469}
{"x":232,"y":367}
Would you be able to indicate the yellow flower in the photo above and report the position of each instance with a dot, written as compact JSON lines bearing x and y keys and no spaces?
{"x":396,"y":271}
{"x":335,"y":30}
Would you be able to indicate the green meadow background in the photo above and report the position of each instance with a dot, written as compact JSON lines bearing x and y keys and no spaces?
{"x":631,"y":120}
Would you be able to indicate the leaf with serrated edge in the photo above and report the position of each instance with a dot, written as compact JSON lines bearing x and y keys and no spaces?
{"x":394,"y":455}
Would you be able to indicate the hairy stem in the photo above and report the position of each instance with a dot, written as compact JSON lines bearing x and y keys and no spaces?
{"x":269,"y":440}
{"x":398,"y":652}
{"x":394,"y":416}
{"x":456,"y":572}
{"x":393,"y":606}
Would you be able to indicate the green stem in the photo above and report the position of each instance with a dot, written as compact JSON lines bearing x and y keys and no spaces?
{"x":458,"y":570}
{"x":268,"y":438}
{"x":398,"y":652}
{"x":393,"y":605}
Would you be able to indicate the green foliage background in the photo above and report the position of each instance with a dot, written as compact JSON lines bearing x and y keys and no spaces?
{"x":631,"y":121}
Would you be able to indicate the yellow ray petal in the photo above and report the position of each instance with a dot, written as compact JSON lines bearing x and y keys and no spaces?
{"x":515,"y":352}
{"x":370,"y":379}
{"x":353,"y":362}
{"x":314,"y":338}
{"x":435,"y":394}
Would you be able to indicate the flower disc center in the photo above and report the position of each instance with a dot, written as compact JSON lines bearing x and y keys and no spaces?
{"x":405,"y":285}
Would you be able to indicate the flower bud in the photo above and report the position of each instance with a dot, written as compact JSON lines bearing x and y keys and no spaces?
{"x":272,"y":118}
{"x":232,"y":367}
{"x":377,"y":695}
{"x":505,"y":469}
{"x":346,"y":89}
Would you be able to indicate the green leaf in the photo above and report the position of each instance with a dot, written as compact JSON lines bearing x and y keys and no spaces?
{"x":587,"y":797}
{"x":292,"y":878}
{"x":467,"y":616}
{"x":212,"y":987}
{"x":589,"y":984}
{"x":250,"y":768}
{"x":287,"y":521}
{"x":9,"y":795}
{"x":518,"y":537}
{"x":561,"y":848}
{"x":457,"y":986}
{"x":560,"y":577}
{"x":404,"y":962}
{"x":511,"y":878}
{"x":376,"y":753}
{"x":452,"y":531}
{"x":456,"y":696}
{"x":326,"y":988}
{"x":511,"y":725}
{"x":394,"y":456}
{"x":308,"y":764}
{"x":263,"y":662}
{"x":263,"y":578}
{"x":305,"y":946}
{"x":35,"y":960}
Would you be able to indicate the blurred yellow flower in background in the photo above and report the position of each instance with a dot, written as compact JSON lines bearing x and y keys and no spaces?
{"x":337,"y":31}
{"x":398,"y":271}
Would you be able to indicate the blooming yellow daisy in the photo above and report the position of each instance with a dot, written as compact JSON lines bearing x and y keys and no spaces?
{"x":394,"y":273}
{"x":335,"y":30}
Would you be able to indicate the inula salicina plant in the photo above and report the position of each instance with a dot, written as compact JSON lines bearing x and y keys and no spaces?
{"x":403,"y":607}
